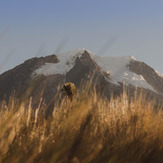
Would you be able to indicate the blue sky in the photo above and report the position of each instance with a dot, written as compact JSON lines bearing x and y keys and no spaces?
{"x":30,"y":28}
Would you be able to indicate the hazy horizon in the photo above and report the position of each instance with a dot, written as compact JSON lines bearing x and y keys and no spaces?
{"x":108,"y":28}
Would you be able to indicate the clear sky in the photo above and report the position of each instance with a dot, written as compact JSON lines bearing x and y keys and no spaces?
{"x":30,"y":28}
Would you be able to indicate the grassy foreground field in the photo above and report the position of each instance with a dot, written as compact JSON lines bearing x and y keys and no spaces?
{"x":88,"y":129}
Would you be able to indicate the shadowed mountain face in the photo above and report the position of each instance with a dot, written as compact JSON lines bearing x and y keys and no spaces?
{"x":18,"y":79}
{"x":149,"y":75}
{"x":83,"y":69}
{"x":41,"y":77}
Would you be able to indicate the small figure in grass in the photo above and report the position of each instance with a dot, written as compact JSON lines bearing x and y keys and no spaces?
{"x":69,"y":89}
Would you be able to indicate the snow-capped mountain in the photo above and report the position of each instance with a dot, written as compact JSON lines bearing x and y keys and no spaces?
{"x":40,"y":77}
{"x":116,"y":67}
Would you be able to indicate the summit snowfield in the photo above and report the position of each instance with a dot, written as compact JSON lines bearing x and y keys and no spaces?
{"x":116,"y":67}
{"x":65,"y":64}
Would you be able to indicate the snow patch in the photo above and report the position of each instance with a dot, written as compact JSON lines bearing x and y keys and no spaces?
{"x":65,"y":64}
{"x":159,"y":74}
{"x":119,"y":71}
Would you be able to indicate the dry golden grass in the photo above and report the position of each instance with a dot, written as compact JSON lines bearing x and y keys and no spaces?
{"x":88,"y":129}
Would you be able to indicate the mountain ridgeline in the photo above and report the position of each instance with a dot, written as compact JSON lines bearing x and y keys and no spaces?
{"x":41,"y":77}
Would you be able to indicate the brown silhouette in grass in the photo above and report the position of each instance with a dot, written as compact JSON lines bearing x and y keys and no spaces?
{"x":69,"y":90}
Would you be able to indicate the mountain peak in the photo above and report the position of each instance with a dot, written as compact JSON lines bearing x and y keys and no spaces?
{"x":116,"y":67}
{"x":67,"y":61}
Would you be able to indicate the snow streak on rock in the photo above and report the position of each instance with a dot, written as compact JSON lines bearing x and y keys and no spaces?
{"x":160,"y":74}
{"x":119,"y":71}
{"x":65,"y":64}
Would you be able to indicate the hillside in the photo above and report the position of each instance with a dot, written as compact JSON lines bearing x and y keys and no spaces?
{"x":114,"y":115}
{"x":41,"y":77}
